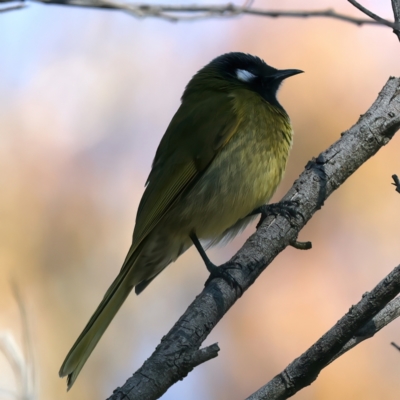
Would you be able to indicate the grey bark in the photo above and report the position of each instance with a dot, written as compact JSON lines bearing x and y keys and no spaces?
{"x":305,"y":369}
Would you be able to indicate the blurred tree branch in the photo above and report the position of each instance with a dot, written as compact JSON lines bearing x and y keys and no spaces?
{"x":20,"y":358}
{"x":361,"y":319}
{"x":396,"y":11}
{"x":175,"y":13}
{"x":395,"y":346}
{"x":370,"y":14}
{"x":177,"y":354}
{"x":13,"y":7}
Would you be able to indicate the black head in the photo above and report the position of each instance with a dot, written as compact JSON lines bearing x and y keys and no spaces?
{"x":245,"y":70}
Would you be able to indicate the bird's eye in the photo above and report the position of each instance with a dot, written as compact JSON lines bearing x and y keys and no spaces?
{"x":244,"y":75}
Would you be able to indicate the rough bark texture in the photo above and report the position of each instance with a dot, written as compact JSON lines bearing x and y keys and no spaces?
{"x":388,"y":314}
{"x":177,"y":354}
{"x":305,"y":369}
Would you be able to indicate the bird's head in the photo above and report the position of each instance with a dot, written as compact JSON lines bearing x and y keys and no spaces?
{"x":238,"y":70}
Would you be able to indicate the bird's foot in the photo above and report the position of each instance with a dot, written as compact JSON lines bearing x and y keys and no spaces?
{"x":215,"y":272}
{"x":288,"y":210}
{"x":285,"y":208}
{"x":223,"y":273}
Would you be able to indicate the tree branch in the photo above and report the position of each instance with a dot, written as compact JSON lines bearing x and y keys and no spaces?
{"x":387,"y":315}
{"x":370,"y":14}
{"x":396,"y":10}
{"x":175,"y":13}
{"x":321,"y":177}
{"x":339,"y":339}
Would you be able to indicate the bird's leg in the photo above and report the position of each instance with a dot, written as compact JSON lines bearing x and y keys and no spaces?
{"x":288,"y":210}
{"x":215,"y":272}
{"x":212,"y":268}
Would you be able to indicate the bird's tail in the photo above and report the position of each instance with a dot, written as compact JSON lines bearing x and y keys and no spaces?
{"x":98,"y":323}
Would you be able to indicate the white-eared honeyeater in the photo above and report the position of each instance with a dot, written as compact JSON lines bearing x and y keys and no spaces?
{"x":222,"y":156}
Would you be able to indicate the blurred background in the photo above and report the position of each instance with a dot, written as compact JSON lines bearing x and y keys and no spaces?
{"x":85,"y":97}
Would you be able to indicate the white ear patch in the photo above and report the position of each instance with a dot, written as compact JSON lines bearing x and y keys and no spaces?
{"x":244,"y":75}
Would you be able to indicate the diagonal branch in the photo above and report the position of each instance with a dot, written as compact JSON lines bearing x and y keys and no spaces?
{"x":373,"y":326}
{"x":370,"y":14}
{"x":321,"y":177}
{"x":339,"y":339}
{"x":396,"y":11}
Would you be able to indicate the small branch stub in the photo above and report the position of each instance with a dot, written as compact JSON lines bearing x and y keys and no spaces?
{"x":396,"y":182}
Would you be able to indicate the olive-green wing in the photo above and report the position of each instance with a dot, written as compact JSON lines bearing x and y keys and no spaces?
{"x":198,"y":130}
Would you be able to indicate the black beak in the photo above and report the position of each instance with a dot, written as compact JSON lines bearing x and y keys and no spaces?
{"x":285,"y":73}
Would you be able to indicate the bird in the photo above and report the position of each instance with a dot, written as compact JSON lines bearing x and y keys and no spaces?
{"x":222,"y":156}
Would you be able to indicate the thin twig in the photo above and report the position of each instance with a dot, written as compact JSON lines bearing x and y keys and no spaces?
{"x":375,"y":17}
{"x":175,"y":13}
{"x":395,"y":345}
{"x":396,"y":11}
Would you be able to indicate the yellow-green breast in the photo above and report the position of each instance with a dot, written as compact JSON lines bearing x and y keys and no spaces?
{"x":245,"y":173}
